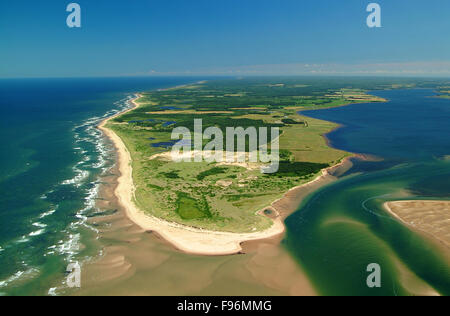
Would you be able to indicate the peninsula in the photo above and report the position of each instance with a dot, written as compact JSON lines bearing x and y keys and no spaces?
{"x":211,"y":208}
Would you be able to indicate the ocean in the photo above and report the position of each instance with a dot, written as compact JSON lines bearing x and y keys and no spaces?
{"x":342,"y":228}
{"x":52,"y":157}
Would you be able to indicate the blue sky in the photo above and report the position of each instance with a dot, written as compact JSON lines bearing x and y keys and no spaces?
{"x":163,"y":37}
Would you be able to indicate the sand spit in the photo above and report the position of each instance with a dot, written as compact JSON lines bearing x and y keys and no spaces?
{"x":189,"y":239}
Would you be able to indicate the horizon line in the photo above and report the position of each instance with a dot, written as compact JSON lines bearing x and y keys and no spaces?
{"x":250,"y":75}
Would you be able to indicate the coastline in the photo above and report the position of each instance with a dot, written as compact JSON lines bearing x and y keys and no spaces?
{"x":339,"y":126}
{"x":292,"y":199}
{"x":199,"y":241}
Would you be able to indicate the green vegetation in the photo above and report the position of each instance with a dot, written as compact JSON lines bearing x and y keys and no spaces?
{"x":227,"y":196}
{"x":210,"y":172}
{"x":298,"y":169}
{"x":289,"y":121}
{"x":189,"y":208}
{"x":171,"y":174}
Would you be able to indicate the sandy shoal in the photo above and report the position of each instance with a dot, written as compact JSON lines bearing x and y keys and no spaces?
{"x":431,"y":217}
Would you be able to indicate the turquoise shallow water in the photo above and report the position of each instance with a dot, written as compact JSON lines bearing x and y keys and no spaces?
{"x":342,"y":228}
{"x":52,"y":155}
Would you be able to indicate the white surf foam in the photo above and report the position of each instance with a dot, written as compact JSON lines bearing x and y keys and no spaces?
{"x":40,"y":225}
{"x":23,"y":239}
{"x":94,"y":154}
{"x":51,"y":212}
{"x":36,"y":233}
{"x":78,"y":179}
{"x":52,"y":291}
{"x":70,"y":247}
{"x":88,"y":139}
{"x":19,"y":276}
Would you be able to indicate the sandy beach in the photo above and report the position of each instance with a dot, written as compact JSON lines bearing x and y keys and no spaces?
{"x":430,"y":217}
{"x":134,"y":261}
{"x":189,"y":239}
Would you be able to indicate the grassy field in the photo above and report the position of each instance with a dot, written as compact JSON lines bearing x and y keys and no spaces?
{"x":227,"y":197}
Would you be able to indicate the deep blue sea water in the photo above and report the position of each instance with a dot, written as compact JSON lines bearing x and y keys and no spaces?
{"x":342,"y":228}
{"x":52,"y":156}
